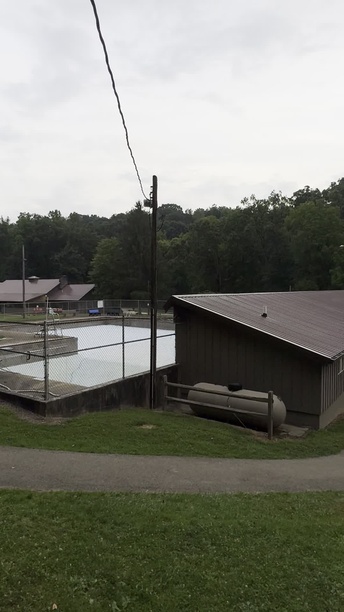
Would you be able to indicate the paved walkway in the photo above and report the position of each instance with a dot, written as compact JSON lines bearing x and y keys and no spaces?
{"x":42,"y":470}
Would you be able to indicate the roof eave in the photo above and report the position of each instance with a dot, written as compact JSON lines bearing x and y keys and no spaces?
{"x":178,"y":300}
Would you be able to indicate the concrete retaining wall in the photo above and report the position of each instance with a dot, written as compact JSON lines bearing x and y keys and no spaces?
{"x":132,"y":391}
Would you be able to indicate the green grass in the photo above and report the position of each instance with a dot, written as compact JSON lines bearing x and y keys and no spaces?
{"x":4,"y":318}
{"x":122,"y":432}
{"x":168,"y":553}
{"x":19,"y":318}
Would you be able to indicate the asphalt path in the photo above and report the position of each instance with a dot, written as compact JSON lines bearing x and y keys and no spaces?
{"x":43,"y":470}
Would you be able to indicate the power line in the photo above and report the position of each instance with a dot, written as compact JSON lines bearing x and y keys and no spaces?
{"x":116,"y":94}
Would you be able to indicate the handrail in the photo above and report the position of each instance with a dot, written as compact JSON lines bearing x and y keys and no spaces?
{"x":269,"y":399}
{"x":222,"y":393}
{"x":235,"y":410}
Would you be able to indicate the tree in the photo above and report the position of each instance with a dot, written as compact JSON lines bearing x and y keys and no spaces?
{"x":334,"y":195}
{"x":134,"y":244}
{"x":105,"y":268}
{"x":172,"y":220}
{"x":124,"y":260}
{"x":261,"y":245}
{"x":316,"y":233}
{"x":306,"y":195}
{"x":71,"y":263}
{"x":44,"y":237}
{"x":256,"y":248}
{"x":6,"y":245}
{"x":174,"y":266}
{"x":206,"y":259}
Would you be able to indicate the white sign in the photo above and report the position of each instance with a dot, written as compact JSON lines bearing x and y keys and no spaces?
{"x":100,"y":304}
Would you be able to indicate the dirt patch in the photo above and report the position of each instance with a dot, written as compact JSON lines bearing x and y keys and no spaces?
{"x":31,"y":417}
{"x":146,"y":426}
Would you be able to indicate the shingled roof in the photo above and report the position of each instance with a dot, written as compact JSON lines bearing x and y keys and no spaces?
{"x":312,"y":320}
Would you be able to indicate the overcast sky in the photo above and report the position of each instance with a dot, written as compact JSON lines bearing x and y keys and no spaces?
{"x":222,"y":98}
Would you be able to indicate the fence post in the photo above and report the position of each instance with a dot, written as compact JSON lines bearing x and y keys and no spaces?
{"x":123,"y":348}
{"x":46,"y":361}
{"x":270,"y":414}
{"x":164,"y":391}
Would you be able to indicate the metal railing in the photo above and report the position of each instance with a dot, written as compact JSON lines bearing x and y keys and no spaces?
{"x":269,"y":400}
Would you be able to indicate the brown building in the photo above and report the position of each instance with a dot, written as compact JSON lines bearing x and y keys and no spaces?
{"x":291,"y":343}
{"x":36,"y":289}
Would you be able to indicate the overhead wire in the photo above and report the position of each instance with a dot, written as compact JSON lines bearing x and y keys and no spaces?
{"x":107,"y":61}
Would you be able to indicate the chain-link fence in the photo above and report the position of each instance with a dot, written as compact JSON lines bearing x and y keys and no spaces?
{"x":56,"y":357}
{"x":68,"y":309}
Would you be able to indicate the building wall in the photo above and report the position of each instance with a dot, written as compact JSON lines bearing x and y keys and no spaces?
{"x":332,"y":391}
{"x":216,"y":351}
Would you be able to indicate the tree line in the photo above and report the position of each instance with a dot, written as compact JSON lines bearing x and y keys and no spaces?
{"x":272,"y":244}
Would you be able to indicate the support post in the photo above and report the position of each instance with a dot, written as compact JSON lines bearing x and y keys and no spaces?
{"x":46,"y":360}
{"x":154,"y":311}
{"x":23,"y":280}
{"x":153,"y":204}
{"x":164,"y":391}
{"x":123,"y":347}
{"x":270,"y":414}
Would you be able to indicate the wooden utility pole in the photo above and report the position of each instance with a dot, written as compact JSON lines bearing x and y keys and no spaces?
{"x":154,"y":304}
{"x":23,"y":279}
{"x":153,"y":204}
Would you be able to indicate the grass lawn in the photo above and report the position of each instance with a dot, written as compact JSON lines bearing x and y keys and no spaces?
{"x":19,"y":318}
{"x":143,"y":553}
{"x":142,"y":432}
{"x":31,"y":318}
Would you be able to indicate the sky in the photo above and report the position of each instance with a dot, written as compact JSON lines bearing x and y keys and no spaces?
{"x":222,"y":99}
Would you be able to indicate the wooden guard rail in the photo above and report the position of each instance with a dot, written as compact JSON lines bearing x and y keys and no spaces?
{"x":269,"y":400}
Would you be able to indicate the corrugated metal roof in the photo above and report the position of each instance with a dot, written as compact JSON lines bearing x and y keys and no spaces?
{"x":312,"y":320}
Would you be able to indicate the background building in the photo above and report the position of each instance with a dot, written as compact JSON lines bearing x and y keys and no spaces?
{"x":57,"y":290}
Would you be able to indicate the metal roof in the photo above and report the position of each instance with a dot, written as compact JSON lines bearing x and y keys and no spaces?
{"x":70,"y":292}
{"x":311,"y":320}
{"x":12,"y":290}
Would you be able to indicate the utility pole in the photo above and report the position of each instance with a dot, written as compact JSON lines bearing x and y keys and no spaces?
{"x":153,"y":204}
{"x":23,"y":279}
{"x":154,"y":301}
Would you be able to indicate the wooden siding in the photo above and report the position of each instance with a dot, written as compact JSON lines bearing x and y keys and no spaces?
{"x":332,"y":383}
{"x":215,"y":351}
